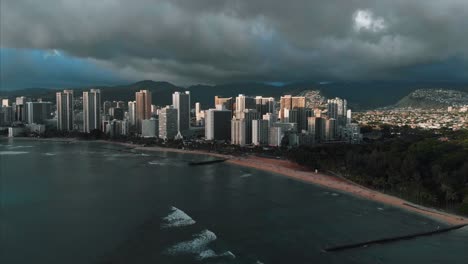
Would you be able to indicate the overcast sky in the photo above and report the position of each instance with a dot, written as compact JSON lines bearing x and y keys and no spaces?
{"x":55,"y":43}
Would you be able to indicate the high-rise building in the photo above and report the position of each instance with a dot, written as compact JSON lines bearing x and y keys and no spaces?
{"x":227,"y":102}
{"x":291,"y":102}
{"x":7,"y":115}
{"x":244,"y":103}
{"x":260,"y":130}
{"x":276,"y":135}
{"x":65,"y":102}
{"x":91,"y":110}
{"x":106,"y":105}
{"x":116,"y":113}
{"x":38,"y":112}
{"x":168,"y":122}
{"x":265,"y":104}
{"x":150,"y":128}
{"x":348,"y":117}
{"x":218,"y":124}
{"x":316,"y":127}
{"x":5,"y":102}
{"x":238,"y":131}
{"x":131,"y":112}
{"x":181,"y":102}
{"x":20,"y":108}
{"x":330,"y":128}
{"x":142,"y":107}
{"x":249,"y":115}
{"x":271,"y":118}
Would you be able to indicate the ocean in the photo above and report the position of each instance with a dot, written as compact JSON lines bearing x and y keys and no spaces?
{"x":88,"y":202}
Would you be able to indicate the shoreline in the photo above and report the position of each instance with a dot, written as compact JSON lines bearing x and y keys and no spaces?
{"x":292,"y":170}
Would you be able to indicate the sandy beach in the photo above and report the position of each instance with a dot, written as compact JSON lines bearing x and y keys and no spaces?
{"x":297,"y":172}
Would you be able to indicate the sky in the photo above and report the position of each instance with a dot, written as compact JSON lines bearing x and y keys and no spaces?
{"x":70,"y":43}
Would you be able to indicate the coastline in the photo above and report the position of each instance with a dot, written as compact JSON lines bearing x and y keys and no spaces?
{"x":292,"y":170}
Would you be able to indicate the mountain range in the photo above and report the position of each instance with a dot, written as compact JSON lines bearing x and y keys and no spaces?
{"x":360,"y":95}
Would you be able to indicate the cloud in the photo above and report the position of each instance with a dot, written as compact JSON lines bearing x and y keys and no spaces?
{"x":212,"y":41}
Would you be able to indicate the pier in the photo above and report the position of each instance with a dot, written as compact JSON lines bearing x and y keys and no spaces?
{"x":393,"y":239}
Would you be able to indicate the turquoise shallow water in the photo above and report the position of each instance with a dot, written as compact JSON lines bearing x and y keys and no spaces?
{"x":86,"y":203}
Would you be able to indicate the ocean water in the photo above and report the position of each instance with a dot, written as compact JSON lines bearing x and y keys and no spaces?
{"x":87,"y":202}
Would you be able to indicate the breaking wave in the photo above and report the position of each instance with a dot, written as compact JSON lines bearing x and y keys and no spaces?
{"x":209,"y":253}
{"x":197,"y":245}
{"x":177,"y":218}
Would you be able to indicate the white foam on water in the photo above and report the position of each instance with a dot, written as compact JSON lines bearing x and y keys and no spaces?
{"x":13,"y":152}
{"x":259,"y":262}
{"x":50,"y":154}
{"x":335,"y":194}
{"x":15,"y":147}
{"x":144,"y":154}
{"x":209,"y":253}
{"x":380,"y":208}
{"x":197,"y":245}
{"x":158,"y":162}
{"x":246,"y":175}
{"x":177,"y":218}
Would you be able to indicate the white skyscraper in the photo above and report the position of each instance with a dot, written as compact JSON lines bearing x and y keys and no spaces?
{"x":91,"y":110}
{"x":181,"y":102}
{"x":131,"y":112}
{"x":244,"y":103}
{"x":168,"y":122}
{"x":65,"y":110}
{"x":238,"y":130}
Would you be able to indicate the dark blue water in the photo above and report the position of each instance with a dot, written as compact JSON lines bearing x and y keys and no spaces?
{"x":86,"y":203}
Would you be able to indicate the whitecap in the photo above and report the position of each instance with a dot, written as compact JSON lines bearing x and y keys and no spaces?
{"x":197,"y":245}
{"x":246,"y":175}
{"x":13,"y":152}
{"x":177,"y":218}
{"x":335,"y":194}
{"x":380,"y":208}
{"x":209,"y":253}
{"x":50,"y":154}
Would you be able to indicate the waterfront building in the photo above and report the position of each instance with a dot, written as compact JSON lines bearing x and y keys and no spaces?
{"x":218,"y":124}
{"x":38,"y":112}
{"x":260,"y":129}
{"x":142,"y":107}
{"x":330,"y":128}
{"x":168,"y":122}
{"x":316,"y":128}
{"x":20,"y":108}
{"x":238,"y":131}
{"x":181,"y":102}
{"x":91,"y":110}
{"x":276,"y":135}
{"x":132,"y":113}
{"x":150,"y":128}
{"x":65,"y":114}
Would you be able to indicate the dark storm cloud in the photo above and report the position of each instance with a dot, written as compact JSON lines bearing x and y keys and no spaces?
{"x":219,"y":40}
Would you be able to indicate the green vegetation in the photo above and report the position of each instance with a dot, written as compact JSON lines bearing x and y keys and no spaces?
{"x":423,"y":167}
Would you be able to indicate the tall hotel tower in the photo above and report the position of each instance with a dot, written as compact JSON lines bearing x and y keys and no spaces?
{"x":181,"y":102}
{"x":65,"y":110}
{"x":91,"y":110}
{"x":142,"y":107}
